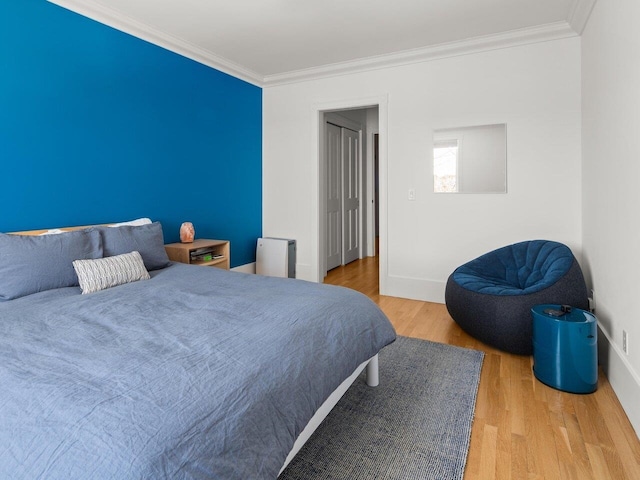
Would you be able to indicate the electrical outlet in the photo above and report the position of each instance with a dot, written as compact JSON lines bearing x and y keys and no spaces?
{"x":625,"y":342}
{"x":592,"y":301}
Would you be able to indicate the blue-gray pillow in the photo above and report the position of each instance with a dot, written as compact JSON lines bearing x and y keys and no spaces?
{"x":146,"y":239}
{"x":30,"y":264}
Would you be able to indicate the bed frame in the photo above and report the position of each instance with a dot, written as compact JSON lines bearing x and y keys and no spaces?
{"x":373,"y":379}
{"x":371,"y":365}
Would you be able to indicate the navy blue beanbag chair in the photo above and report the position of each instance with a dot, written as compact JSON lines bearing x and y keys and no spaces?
{"x":491,"y":297}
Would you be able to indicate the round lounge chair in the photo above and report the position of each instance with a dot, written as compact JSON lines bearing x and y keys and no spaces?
{"x":491,"y":296}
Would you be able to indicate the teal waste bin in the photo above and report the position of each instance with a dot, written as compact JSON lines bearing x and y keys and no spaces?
{"x":565,"y":348}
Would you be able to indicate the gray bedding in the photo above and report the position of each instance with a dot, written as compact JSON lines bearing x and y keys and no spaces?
{"x":197,"y":373}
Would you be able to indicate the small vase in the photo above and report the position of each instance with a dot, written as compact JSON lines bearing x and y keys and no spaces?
{"x":187,"y":232}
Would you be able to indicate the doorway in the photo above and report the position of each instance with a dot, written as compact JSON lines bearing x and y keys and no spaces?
{"x":349,"y":180}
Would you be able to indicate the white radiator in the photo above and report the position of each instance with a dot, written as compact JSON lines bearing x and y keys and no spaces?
{"x":276,"y":257}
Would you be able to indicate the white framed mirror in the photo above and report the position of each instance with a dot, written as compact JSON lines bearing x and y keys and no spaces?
{"x":470,"y":159}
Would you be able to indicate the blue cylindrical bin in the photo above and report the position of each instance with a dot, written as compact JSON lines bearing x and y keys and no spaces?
{"x":565,"y":348}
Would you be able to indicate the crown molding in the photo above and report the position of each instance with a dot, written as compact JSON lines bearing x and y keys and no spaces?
{"x":579,"y":13}
{"x":543,"y":33}
{"x":126,"y":24}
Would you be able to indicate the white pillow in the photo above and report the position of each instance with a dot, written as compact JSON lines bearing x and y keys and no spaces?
{"x":137,"y":222}
{"x":100,"y":273}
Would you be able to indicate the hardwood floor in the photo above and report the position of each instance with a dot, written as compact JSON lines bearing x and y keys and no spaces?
{"x":522,"y":428}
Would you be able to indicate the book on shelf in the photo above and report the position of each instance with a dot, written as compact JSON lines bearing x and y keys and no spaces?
{"x":205,"y":255}
{"x":201,"y":250}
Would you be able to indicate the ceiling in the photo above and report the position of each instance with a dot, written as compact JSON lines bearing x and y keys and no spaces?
{"x":270,"y":41}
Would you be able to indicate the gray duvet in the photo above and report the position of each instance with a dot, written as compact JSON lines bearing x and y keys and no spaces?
{"x":197,"y":373}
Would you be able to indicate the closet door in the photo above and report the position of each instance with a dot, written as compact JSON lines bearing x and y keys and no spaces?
{"x":333,"y":136}
{"x":350,"y":196}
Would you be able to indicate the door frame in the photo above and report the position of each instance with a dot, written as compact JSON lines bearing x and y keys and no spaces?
{"x":318,"y":268}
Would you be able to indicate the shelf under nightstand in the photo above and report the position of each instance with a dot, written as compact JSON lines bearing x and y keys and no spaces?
{"x":181,"y":252}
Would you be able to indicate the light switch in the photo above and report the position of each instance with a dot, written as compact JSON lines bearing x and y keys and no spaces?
{"x":412,"y":194}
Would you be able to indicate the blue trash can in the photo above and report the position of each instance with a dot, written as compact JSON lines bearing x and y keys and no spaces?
{"x":565,"y":348}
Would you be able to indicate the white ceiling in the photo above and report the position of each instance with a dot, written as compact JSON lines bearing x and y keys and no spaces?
{"x":263,"y":40}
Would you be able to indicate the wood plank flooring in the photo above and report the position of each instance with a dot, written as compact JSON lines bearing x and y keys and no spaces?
{"x":522,"y":428}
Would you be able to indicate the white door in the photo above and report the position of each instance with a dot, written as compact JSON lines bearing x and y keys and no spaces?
{"x":334,"y":195}
{"x":350,"y":196}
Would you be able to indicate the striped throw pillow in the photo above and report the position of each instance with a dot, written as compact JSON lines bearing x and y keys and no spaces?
{"x":100,"y":273}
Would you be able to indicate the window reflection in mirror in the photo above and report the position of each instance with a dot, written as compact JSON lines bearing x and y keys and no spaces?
{"x":470,"y":159}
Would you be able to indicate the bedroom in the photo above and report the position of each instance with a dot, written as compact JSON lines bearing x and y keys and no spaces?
{"x":83,"y":108}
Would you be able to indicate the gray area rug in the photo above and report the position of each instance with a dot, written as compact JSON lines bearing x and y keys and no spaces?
{"x":415,"y":425}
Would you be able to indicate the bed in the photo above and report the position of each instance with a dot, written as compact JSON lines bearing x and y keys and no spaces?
{"x":188,"y":372}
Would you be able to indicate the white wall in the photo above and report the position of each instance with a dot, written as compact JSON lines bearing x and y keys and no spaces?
{"x":611,"y":195}
{"x":534,"y":89}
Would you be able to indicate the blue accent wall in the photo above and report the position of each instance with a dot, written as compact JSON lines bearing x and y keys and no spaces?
{"x":98,"y":126}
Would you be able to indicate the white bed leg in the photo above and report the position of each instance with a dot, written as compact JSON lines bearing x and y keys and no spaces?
{"x":373,"y":377}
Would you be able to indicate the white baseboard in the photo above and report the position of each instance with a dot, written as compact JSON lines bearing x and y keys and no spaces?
{"x":622,"y":377}
{"x":251,"y":268}
{"x":246,"y":268}
{"x":415,"y":288}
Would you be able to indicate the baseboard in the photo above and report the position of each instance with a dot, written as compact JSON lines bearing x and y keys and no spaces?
{"x":415,"y":288}
{"x":246,"y":268}
{"x":622,"y":377}
{"x":301,"y":270}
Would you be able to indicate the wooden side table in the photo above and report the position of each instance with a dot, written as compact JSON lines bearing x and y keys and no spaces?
{"x":202,"y":251}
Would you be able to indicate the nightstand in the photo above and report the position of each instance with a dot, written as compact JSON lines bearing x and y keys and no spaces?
{"x":211,"y":253}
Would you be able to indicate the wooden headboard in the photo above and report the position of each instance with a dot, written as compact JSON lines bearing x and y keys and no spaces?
{"x":66,"y":229}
